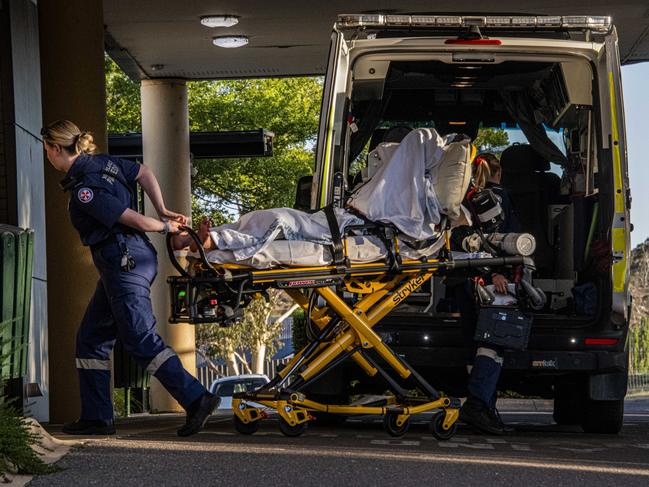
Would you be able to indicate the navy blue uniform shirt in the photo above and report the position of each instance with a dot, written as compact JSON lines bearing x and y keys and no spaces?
{"x":510,"y":220}
{"x":99,"y":198}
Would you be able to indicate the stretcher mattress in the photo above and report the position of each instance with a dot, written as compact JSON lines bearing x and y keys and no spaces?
{"x":300,"y":253}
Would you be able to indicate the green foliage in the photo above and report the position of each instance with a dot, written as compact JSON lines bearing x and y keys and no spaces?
{"x":639,"y":323}
{"x":298,"y":331}
{"x":119,"y":403}
{"x":288,"y":107}
{"x":639,"y":347}
{"x":122,"y":100}
{"x":490,"y":138}
{"x":219,"y":342}
{"x":16,"y":438}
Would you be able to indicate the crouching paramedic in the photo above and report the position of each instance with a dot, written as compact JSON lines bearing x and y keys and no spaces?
{"x":479,"y":410}
{"x":102,"y":193}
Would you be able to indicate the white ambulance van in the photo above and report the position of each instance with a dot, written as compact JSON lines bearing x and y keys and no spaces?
{"x":555,"y":82}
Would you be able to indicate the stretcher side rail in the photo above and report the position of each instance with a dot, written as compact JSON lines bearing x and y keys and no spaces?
{"x":233,"y":289}
{"x":222,"y":293}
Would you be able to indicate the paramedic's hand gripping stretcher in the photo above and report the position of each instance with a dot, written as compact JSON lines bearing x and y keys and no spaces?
{"x":347,"y":296}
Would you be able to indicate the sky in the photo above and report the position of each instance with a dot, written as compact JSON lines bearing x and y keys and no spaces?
{"x":635,"y":83}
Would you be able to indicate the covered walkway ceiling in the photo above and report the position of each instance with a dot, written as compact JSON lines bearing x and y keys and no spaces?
{"x":151,"y":39}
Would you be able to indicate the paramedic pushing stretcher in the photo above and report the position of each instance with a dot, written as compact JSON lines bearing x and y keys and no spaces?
{"x":102,"y":193}
{"x":479,"y":410}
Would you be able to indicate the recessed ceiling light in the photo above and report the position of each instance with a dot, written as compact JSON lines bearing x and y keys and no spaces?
{"x":219,"y":20}
{"x":230,"y":41}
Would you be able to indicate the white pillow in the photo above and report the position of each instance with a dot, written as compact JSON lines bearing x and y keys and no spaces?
{"x":453,"y":178}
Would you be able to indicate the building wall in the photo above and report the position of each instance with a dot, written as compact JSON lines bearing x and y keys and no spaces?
{"x":24,"y":160}
{"x":7,"y":160}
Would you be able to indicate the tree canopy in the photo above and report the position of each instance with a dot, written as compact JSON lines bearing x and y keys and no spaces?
{"x":490,"y":138}
{"x":222,"y":188}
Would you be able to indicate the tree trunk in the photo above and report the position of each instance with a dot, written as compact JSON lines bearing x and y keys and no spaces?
{"x":208,"y":362}
{"x":259,"y":358}
{"x":231,"y":361}
{"x":244,"y":364}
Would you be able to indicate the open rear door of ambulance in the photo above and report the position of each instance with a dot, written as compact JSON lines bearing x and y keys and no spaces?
{"x":331,"y":134}
{"x":621,"y":226}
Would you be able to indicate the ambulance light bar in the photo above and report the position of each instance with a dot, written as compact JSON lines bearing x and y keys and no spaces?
{"x":572,"y":22}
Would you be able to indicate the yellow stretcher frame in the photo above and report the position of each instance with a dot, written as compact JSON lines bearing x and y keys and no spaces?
{"x":381,"y":287}
{"x":294,"y":407}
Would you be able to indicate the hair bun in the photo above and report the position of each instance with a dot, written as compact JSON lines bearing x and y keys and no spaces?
{"x":85,"y":143}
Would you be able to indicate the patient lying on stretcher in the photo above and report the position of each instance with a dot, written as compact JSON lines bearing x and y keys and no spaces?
{"x":418,"y":191}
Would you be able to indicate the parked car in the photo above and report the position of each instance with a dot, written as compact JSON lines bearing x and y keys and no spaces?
{"x":225,"y":387}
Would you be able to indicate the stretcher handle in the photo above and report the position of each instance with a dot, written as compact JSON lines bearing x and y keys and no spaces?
{"x":199,"y":245}
{"x":526,"y":262}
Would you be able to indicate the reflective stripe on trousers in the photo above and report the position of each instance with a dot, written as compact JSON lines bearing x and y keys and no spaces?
{"x":160,"y":359}
{"x":93,"y":364}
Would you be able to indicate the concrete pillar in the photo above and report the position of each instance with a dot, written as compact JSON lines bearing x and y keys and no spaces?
{"x":165,"y":141}
{"x":73,"y":87}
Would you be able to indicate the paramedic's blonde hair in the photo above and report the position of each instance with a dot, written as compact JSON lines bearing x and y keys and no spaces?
{"x":67,"y":135}
{"x":485,"y":165}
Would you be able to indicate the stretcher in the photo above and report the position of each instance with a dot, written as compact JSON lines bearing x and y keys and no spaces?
{"x":354,"y":297}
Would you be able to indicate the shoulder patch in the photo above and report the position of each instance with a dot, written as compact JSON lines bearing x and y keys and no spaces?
{"x":85,"y":195}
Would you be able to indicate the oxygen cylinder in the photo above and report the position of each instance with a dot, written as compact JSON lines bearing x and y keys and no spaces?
{"x":513,"y":243}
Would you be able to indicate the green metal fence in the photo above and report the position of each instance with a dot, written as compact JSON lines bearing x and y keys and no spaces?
{"x":135,"y":381}
{"x":16,"y":260}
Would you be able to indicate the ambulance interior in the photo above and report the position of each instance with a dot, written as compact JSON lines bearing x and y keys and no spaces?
{"x":556,"y":202}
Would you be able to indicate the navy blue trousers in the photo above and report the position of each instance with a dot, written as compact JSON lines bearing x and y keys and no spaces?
{"x":487,"y":364}
{"x":483,"y":380}
{"x":121,"y":308}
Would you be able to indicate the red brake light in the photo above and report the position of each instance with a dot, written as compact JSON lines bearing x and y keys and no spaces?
{"x":213,"y":302}
{"x":601,"y":341}
{"x":478,"y":42}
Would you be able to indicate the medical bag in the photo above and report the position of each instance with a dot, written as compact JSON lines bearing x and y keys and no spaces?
{"x":507,"y":327}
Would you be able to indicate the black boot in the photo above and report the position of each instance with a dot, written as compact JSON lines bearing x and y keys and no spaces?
{"x":197,"y":414}
{"x":85,"y":427}
{"x":479,"y":416}
{"x":496,"y":415}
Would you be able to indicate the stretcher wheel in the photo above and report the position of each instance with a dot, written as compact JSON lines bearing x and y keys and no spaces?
{"x":437,"y":427}
{"x":391,"y":427}
{"x":292,"y":431}
{"x":245,"y":428}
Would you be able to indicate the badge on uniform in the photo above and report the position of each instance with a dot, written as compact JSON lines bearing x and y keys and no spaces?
{"x":85,"y":195}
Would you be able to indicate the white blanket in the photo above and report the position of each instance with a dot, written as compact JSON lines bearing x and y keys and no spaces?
{"x":402,"y":192}
{"x":255,"y":230}
{"x":298,"y":253}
